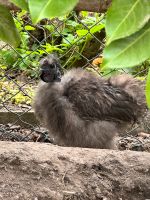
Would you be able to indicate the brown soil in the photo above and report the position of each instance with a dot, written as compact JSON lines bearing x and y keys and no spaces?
{"x":36,"y":171}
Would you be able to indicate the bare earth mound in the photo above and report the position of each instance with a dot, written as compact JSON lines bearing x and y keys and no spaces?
{"x":35,"y":171}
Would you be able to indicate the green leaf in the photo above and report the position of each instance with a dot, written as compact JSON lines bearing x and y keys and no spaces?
{"x":126,"y":17}
{"x":50,"y":8}
{"x":8,"y":31}
{"x":70,"y":39}
{"x":72,"y":23}
{"x":94,"y":29}
{"x":97,"y":28}
{"x":82,"y":32}
{"x":29,"y":28}
{"x":51,"y":28}
{"x":148,"y":89}
{"x":49,"y":48}
{"x":129,"y":51}
{"x":23,"y":4}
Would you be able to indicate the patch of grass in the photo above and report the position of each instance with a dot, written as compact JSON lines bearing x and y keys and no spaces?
{"x":10,"y":92}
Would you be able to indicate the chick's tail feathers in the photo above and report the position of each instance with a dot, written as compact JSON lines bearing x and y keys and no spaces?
{"x":134,"y":88}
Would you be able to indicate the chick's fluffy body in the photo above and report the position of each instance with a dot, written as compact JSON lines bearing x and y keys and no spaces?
{"x":85,"y":110}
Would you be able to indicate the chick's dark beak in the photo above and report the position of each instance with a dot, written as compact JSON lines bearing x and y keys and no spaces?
{"x":50,"y":74}
{"x":46,"y":75}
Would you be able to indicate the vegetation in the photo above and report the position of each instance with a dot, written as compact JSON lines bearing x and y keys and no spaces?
{"x":9,"y":93}
{"x":63,"y":35}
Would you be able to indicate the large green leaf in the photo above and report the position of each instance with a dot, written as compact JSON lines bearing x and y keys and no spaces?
{"x":126,"y":17}
{"x":8,"y":31}
{"x":23,"y":4}
{"x":40,"y":9}
{"x":148,"y":89}
{"x":129,"y":51}
{"x":94,"y":29}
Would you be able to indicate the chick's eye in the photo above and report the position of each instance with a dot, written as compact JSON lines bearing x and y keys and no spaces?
{"x":52,"y":66}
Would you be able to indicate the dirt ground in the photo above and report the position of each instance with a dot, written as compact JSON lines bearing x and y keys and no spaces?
{"x":38,"y":171}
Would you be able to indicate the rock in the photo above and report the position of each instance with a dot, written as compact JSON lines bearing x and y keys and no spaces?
{"x":39,"y":171}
